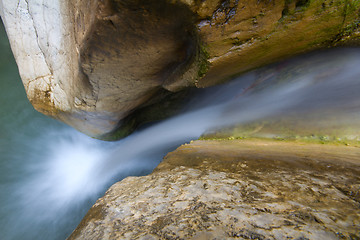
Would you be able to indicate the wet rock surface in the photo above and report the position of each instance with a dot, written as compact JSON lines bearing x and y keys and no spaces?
{"x":235,"y":189}
{"x":243,"y":35}
{"x":95,"y":64}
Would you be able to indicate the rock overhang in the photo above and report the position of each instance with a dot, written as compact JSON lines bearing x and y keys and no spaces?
{"x":95,"y":65}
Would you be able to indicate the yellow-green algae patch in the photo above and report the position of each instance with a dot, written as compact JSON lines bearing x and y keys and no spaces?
{"x":291,"y":130}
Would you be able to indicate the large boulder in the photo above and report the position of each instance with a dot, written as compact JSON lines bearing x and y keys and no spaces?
{"x":235,"y":189}
{"x":93,"y":64}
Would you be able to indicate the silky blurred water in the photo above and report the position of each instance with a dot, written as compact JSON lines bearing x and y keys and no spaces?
{"x":28,"y":141}
{"x":51,"y":174}
{"x":45,"y":165}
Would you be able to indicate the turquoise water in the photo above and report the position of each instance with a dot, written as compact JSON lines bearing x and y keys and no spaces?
{"x":48,"y":177}
{"x":42,"y":162}
{"x":23,"y":150}
{"x":49,"y":174}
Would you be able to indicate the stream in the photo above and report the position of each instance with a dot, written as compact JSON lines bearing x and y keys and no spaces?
{"x":50,"y":174}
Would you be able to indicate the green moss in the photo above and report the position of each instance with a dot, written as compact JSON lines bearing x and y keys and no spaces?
{"x":298,"y":139}
{"x":290,"y":129}
{"x":350,"y":28}
{"x":203,"y":61}
{"x":347,"y":34}
{"x":351,"y":6}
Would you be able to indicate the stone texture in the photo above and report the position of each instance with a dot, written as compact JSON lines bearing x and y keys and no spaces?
{"x":91,"y":63}
{"x":243,"y":35}
{"x":235,"y":189}
{"x":94,"y":63}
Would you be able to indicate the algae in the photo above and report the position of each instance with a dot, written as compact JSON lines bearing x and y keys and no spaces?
{"x":289,"y":131}
{"x":203,"y":61}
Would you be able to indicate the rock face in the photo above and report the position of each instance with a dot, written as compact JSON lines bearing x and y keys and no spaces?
{"x":93,"y":63}
{"x":235,"y":189}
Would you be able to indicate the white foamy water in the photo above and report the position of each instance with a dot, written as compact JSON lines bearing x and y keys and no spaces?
{"x":65,"y":171}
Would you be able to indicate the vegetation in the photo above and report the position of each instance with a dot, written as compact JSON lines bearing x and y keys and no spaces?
{"x":203,"y":61}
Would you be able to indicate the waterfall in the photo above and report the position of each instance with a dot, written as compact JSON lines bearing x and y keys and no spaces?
{"x":54,"y":174}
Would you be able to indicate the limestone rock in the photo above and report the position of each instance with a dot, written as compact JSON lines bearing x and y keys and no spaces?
{"x":235,"y":189}
{"x":93,"y":63}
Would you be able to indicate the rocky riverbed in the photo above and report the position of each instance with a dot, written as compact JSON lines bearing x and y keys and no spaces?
{"x":247,"y":189}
